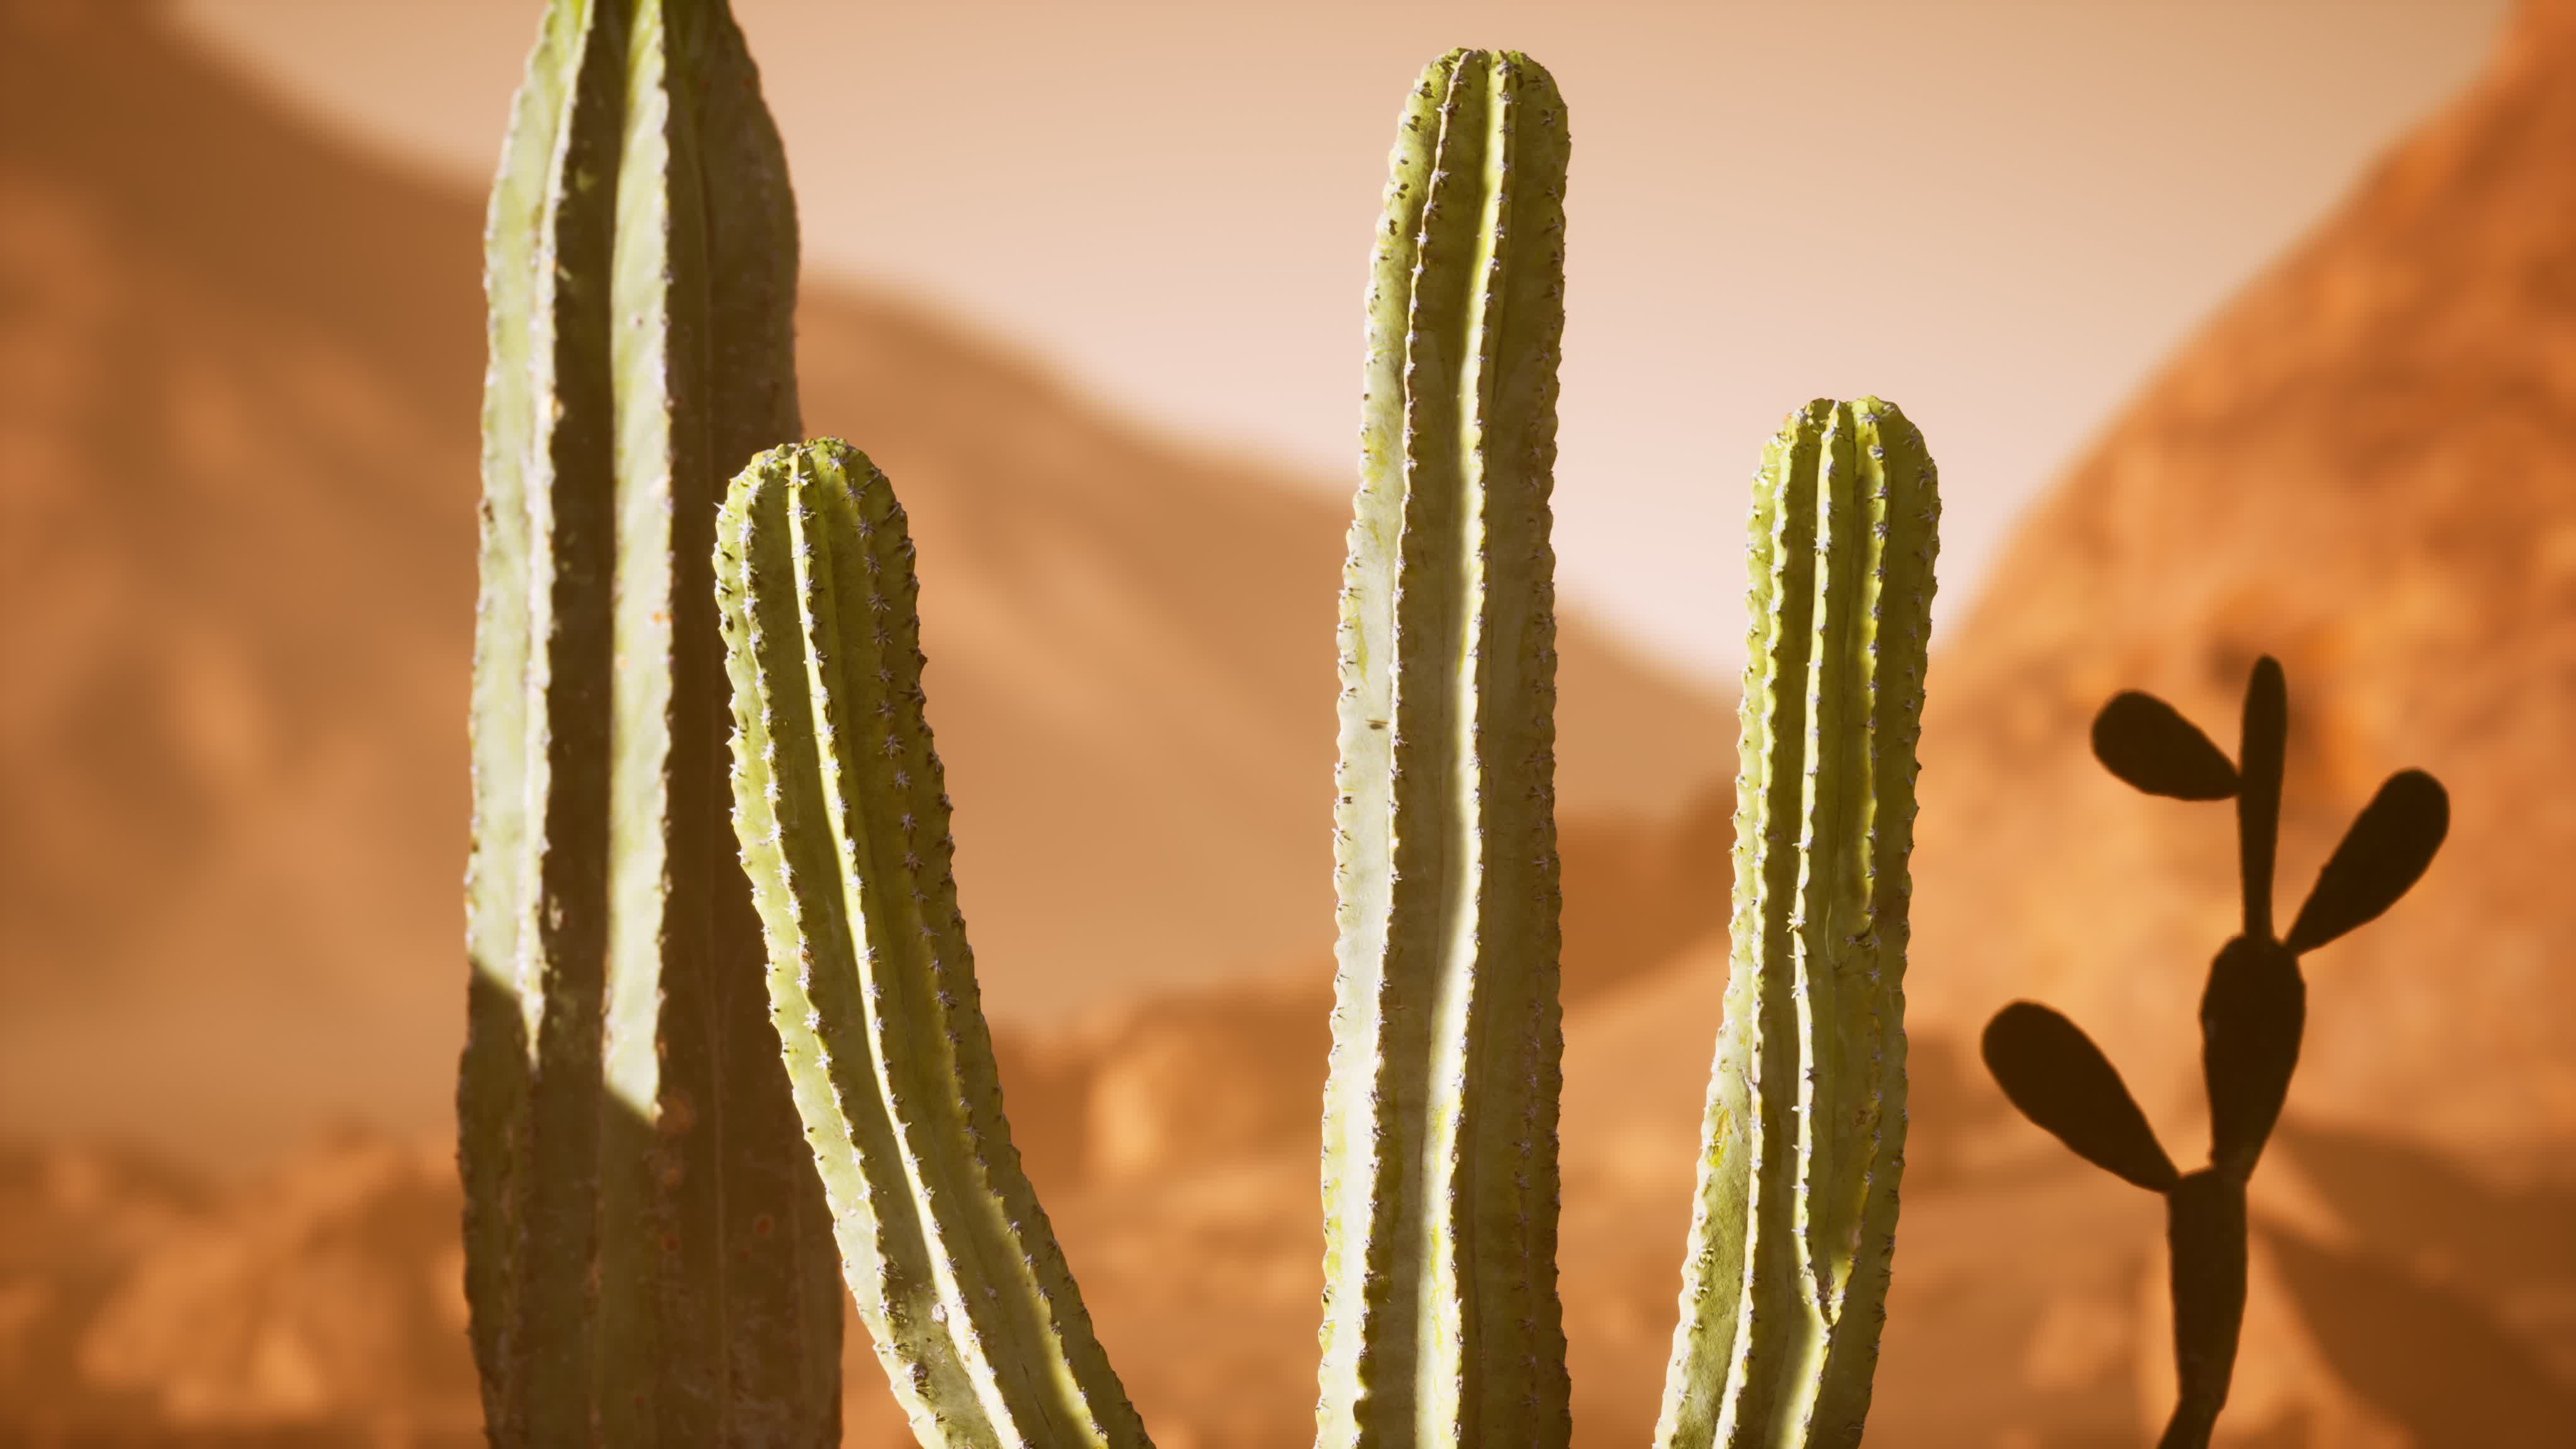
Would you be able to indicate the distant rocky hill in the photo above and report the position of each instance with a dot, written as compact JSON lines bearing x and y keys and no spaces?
{"x":238,"y":396}
{"x":2363,"y":467}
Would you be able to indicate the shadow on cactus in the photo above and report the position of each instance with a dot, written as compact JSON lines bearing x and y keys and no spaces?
{"x":2252,"y":1011}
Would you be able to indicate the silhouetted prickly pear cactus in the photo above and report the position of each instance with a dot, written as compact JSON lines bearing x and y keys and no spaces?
{"x":2251,"y":1012}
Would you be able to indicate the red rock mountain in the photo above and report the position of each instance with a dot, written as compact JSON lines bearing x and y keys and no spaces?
{"x":238,"y":396}
{"x":2363,"y":467}
{"x":2366,"y":467}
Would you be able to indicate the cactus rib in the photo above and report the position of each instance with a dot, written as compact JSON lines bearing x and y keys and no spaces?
{"x":1792,"y":1231}
{"x":646,"y":1253}
{"x":1440,"y":1180}
{"x":843,"y":819}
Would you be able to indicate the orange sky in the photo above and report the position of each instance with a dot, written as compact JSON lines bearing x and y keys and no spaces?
{"x":2002,"y":215}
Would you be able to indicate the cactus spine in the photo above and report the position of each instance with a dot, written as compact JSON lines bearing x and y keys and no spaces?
{"x":645,"y":1246}
{"x":1440,"y":1179}
{"x":1792,"y":1231}
{"x":842,"y":813}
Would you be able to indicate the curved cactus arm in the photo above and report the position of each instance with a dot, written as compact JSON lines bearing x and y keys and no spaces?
{"x":842,"y":814}
{"x":1441,"y":1316}
{"x":648,"y":1256}
{"x":1792,"y":1233}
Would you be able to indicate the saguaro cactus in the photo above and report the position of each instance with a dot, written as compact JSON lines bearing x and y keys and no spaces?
{"x":1441,"y":1322}
{"x":2253,"y":1011}
{"x":1440,"y":1177}
{"x":646,"y":1249}
{"x":1792,"y":1231}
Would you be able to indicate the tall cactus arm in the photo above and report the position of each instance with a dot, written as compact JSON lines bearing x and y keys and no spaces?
{"x":843,"y":820}
{"x":1785,"y":1277}
{"x":536,"y":880}
{"x":1440,"y":1180}
{"x":724,"y":1209}
{"x":648,"y":1257}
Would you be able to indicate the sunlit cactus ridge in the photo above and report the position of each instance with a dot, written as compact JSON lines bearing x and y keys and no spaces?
{"x":841,"y":806}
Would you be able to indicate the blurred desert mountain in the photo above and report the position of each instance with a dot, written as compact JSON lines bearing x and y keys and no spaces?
{"x":2362,"y":467}
{"x":240,"y":755}
{"x":238,"y":414}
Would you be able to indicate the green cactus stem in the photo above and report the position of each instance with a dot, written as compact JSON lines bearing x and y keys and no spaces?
{"x":1784,"y":1286}
{"x":1440,"y":1178}
{"x":647,"y":1255}
{"x":842,"y":813}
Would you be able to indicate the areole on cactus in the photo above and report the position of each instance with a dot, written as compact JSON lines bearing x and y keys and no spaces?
{"x":843,"y":815}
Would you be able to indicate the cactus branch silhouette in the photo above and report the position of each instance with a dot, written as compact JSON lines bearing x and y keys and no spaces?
{"x":2253,"y":1011}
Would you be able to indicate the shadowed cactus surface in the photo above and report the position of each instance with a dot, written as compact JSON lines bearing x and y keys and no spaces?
{"x":647,"y":1258}
{"x":2252,"y":1011}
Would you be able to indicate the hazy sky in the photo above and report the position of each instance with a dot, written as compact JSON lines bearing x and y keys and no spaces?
{"x":2001,"y":215}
